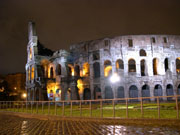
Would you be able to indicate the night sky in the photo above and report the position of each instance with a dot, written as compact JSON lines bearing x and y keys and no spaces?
{"x":60,"y":23}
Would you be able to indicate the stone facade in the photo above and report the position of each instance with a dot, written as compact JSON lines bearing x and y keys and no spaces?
{"x":147,"y":65}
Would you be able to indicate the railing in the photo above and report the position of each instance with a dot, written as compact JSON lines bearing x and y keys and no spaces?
{"x":142,"y":107}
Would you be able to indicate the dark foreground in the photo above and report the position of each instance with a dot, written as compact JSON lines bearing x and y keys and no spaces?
{"x":15,"y":124}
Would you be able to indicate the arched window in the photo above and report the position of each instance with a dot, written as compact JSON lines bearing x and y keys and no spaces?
{"x":32,"y":73}
{"x":132,"y":65}
{"x":97,"y":92}
{"x":142,"y":52}
{"x":120,"y":92}
{"x":86,"y":69}
{"x":108,"y":93}
{"x":142,"y":67}
{"x":169,"y":91}
{"x":87,"y":94}
{"x":178,"y":65}
{"x":58,"y":69}
{"x":96,"y":67}
{"x":119,"y":64}
{"x":166,"y":64}
{"x":158,"y":91}
{"x":51,"y":72}
{"x":145,"y":91}
{"x":155,"y":66}
{"x":77,"y":70}
{"x":107,"y":68}
{"x":133,"y":92}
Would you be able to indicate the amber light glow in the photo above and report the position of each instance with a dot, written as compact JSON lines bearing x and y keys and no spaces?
{"x":107,"y":71}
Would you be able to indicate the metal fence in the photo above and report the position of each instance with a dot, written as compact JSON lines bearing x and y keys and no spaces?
{"x":142,"y":107}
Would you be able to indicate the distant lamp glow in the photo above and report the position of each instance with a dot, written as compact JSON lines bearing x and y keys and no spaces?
{"x":114,"y":78}
{"x":24,"y":95}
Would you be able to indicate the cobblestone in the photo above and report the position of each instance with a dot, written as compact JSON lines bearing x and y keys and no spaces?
{"x":14,"y":125}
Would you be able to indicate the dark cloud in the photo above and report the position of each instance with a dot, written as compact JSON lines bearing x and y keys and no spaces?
{"x":60,"y":23}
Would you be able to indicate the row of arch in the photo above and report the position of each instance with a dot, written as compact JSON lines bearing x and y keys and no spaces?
{"x":145,"y":91}
{"x":76,"y":71}
{"x":133,"y":92}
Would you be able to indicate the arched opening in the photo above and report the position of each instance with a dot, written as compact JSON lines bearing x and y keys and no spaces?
{"x":58,"y":69}
{"x":155,"y":66}
{"x":169,"y":91}
{"x":142,"y":52}
{"x":96,"y":69}
{"x":37,"y":95}
{"x":178,"y":65}
{"x":107,"y":68}
{"x":108,"y":93}
{"x":30,"y":54}
{"x":132,"y":65}
{"x":87,"y":94}
{"x":70,"y":70}
{"x":145,"y":91}
{"x":178,"y":91}
{"x":142,"y":67}
{"x":133,"y":92}
{"x":77,"y":70}
{"x":51,"y":72}
{"x":32,"y":73}
{"x":158,"y":90}
{"x":86,"y":69}
{"x":119,"y":64}
{"x":120,"y":92}
{"x":97,"y":93}
{"x":166,"y":66}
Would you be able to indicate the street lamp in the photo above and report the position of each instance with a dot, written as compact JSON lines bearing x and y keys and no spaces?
{"x":24,"y":95}
{"x":114,"y":78}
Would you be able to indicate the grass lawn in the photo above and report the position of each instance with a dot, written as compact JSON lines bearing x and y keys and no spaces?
{"x":150,"y":110}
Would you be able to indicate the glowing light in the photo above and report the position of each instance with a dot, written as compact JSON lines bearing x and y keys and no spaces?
{"x":114,"y":78}
{"x":107,"y":71}
{"x":15,"y":88}
{"x":80,"y":86}
{"x":24,"y":95}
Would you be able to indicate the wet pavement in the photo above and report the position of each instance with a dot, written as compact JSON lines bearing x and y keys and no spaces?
{"x":14,"y":125}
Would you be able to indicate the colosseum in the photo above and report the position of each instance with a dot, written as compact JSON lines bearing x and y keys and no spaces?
{"x":117,"y":67}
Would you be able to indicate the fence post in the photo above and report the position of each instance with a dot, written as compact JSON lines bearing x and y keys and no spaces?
{"x":55,"y":107}
{"x":113,"y":108}
{"x":158,"y":107}
{"x":42,"y":107}
{"x":22,"y":106}
{"x":26,"y":106}
{"x":101,"y":105}
{"x":31,"y":107}
{"x":142,"y":112}
{"x":127,"y":108}
{"x":18,"y":106}
{"x":37,"y":105}
{"x":71,"y":108}
{"x":80,"y":109}
{"x":14,"y":106}
{"x":48,"y":107}
{"x":90,"y":109}
{"x":63,"y":109}
{"x":177,"y":107}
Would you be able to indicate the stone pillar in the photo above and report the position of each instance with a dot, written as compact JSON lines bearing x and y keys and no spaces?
{"x":125,"y":68}
{"x":91,"y":80}
{"x":164,"y":92}
{"x":74,"y":91}
{"x":151,"y":88}
{"x":150,"y":67}
{"x":138,"y":68}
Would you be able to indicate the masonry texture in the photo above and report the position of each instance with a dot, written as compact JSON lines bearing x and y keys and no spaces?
{"x":147,"y":65}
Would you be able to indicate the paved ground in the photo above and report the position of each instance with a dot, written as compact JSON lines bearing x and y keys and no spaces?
{"x":15,"y":125}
